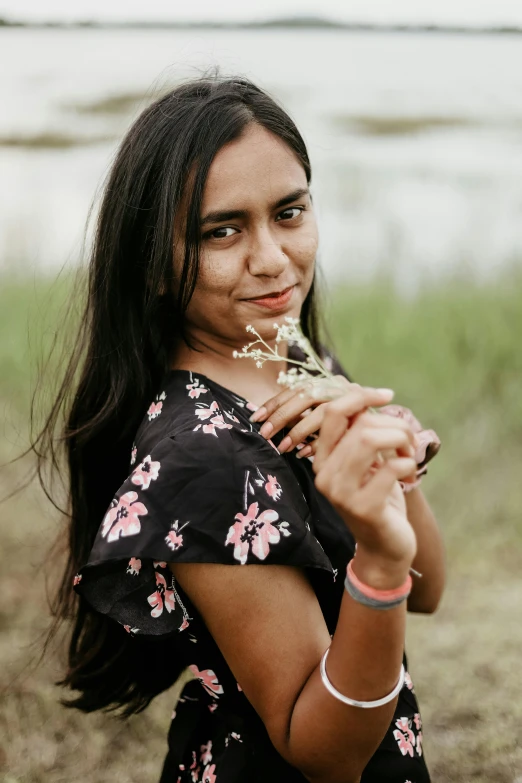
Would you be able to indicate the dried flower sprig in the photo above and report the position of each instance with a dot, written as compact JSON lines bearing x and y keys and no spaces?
{"x":311,"y":373}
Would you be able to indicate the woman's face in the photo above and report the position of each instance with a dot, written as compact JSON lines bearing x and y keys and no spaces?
{"x":258,"y":237}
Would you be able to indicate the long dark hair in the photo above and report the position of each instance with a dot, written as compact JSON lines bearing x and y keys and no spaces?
{"x":131,"y":321}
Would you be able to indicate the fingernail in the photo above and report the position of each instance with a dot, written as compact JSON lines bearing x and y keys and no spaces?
{"x":304,"y":452}
{"x":258,"y":415}
{"x":385,"y":392}
{"x":266,"y":429}
{"x":285,"y":443}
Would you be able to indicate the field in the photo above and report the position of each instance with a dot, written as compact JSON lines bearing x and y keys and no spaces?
{"x":453,"y":355}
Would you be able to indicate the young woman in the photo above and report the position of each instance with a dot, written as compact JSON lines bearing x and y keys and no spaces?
{"x":199,"y":537}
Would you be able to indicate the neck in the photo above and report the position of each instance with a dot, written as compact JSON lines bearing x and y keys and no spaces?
{"x":214,"y":360}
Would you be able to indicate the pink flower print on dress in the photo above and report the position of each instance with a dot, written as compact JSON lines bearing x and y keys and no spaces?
{"x":133,"y":455}
{"x":146,"y":472}
{"x":156,"y":407}
{"x":212,"y":706}
{"x":174,"y":539}
{"x":161,"y":597}
{"x":404,"y":736}
{"x":206,"y":753}
{"x":256,"y":531}
{"x":216,"y":422}
{"x":131,"y":630}
{"x":408,"y":682}
{"x":122,"y":519}
{"x":208,"y":680}
{"x":417,"y":721}
{"x":208,"y":775}
{"x":159,"y":563}
{"x":195,"y":389}
{"x":208,"y":411}
{"x":213,"y":413}
{"x":194,"y":768}
{"x":184,"y":624}
{"x":273,"y":488}
{"x":419,"y":743}
{"x":134,"y":566}
{"x":77,"y":579}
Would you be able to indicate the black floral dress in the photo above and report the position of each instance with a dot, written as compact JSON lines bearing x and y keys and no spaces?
{"x":205,"y":486}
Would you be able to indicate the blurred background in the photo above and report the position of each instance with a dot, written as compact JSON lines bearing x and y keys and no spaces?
{"x":413,"y":118}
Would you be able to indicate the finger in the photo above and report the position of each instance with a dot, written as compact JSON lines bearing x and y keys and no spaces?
{"x":306,"y":427}
{"x":339,"y":412}
{"x":346,"y":469}
{"x":287,"y":413}
{"x":270,"y":405}
{"x":317,"y":389}
{"x":378,"y":420}
{"x":372,"y":498}
{"x":307,"y":451}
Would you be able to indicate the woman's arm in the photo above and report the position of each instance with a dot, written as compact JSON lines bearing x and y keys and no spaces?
{"x":270,"y":628}
{"x":429,"y":560}
{"x":268,"y":624}
{"x":286,"y":409}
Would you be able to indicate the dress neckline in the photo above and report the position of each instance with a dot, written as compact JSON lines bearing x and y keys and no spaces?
{"x":211,"y":382}
{"x":251,"y":405}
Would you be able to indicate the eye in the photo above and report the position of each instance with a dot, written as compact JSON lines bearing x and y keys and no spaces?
{"x":220,"y":233}
{"x":291,"y":213}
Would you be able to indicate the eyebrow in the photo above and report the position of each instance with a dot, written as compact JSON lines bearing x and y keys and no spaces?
{"x":233,"y":214}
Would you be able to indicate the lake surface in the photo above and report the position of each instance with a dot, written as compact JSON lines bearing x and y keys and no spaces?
{"x":415,"y":140}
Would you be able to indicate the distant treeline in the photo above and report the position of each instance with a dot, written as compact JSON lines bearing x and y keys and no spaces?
{"x":289,"y":23}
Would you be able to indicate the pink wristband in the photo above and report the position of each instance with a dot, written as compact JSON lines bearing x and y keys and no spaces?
{"x":387,"y":596}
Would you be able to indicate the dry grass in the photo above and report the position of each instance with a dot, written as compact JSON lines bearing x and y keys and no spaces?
{"x":453,"y":355}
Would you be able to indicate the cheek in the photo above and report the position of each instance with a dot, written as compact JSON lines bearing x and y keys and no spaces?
{"x":217,"y":280}
{"x":218,"y":275}
{"x":304,"y":249}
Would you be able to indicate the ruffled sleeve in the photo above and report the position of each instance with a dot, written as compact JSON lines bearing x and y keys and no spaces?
{"x":218,"y":497}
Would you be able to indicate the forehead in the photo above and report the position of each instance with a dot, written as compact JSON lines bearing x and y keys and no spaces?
{"x":258,"y":167}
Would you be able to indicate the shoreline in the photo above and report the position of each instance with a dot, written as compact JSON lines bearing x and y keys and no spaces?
{"x":297,"y":23}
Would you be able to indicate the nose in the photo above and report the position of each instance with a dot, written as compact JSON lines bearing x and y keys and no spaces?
{"x":266,"y":255}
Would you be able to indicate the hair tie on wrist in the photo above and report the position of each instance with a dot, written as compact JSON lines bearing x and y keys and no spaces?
{"x":370,"y":596}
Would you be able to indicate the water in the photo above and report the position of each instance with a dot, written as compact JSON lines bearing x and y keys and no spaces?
{"x":415,"y":140}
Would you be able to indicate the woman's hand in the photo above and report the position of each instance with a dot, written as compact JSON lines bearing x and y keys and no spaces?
{"x":359,"y":459}
{"x":363,"y":485}
{"x":301,"y":409}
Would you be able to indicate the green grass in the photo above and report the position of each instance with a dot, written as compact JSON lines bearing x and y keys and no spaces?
{"x":453,"y":355}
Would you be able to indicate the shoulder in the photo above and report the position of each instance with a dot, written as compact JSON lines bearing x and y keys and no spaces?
{"x":186,"y":415}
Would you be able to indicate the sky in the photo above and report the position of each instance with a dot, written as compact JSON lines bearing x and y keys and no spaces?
{"x":467,"y":12}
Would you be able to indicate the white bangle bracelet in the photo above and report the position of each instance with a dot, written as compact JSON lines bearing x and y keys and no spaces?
{"x":365,"y":705}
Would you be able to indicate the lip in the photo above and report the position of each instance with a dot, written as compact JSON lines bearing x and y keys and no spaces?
{"x":275,"y":302}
